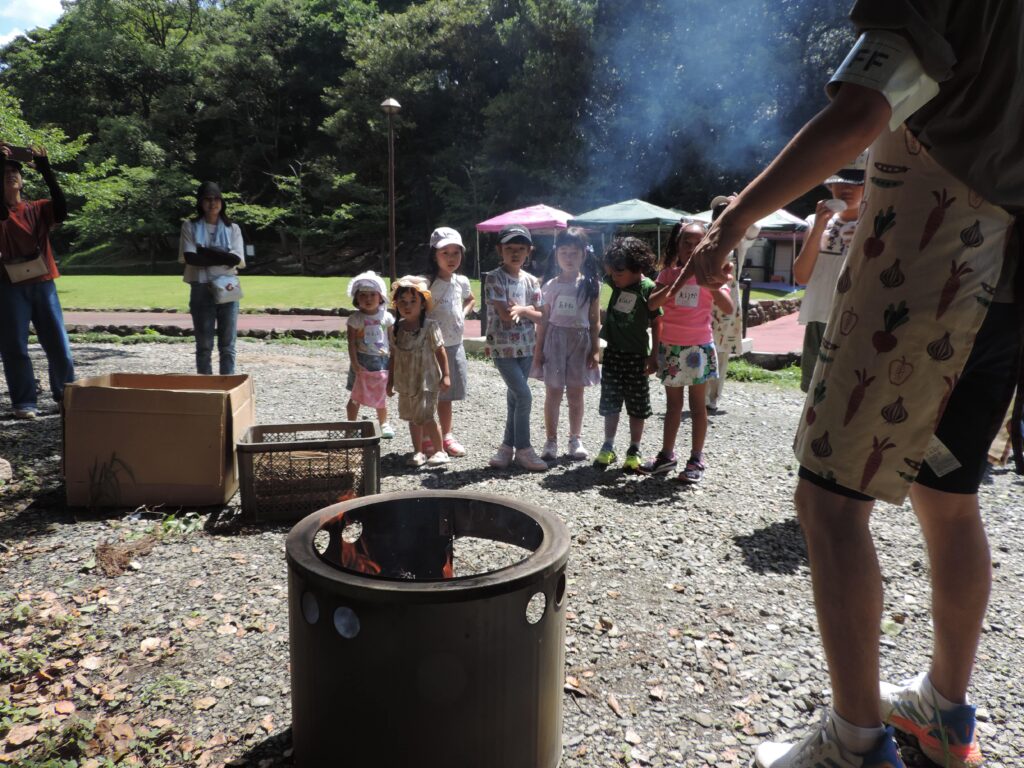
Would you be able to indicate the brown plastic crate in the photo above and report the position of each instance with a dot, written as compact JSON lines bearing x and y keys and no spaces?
{"x":287,"y":471}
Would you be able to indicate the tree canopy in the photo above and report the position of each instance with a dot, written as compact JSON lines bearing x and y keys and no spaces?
{"x":576,"y":103}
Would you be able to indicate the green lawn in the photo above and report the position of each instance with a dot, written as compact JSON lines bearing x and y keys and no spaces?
{"x":261,"y":292}
{"x":148,"y":291}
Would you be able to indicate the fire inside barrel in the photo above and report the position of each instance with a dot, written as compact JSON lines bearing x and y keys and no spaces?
{"x":392,"y":546}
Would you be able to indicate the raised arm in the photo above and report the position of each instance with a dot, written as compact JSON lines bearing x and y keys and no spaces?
{"x":42,"y":163}
{"x":841,"y":130}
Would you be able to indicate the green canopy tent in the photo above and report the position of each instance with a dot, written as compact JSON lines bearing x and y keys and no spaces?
{"x":631,"y":216}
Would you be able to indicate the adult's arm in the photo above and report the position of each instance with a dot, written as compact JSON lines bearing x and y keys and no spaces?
{"x":850,"y":122}
{"x":803,"y":265}
{"x":60,"y":204}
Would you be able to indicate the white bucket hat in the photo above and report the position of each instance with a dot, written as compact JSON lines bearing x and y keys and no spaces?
{"x":368,"y":281}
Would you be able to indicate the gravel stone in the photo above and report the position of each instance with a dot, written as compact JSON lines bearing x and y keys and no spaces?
{"x":703,"y":593}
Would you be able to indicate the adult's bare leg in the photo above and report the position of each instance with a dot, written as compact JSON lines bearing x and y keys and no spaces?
{"x":847,"y":596}
{"x":961,"y":571}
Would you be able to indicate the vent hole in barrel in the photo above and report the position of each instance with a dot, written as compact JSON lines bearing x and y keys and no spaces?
{"x":321,"y":541}
{"x":560,"y":591}
{"x":350,"y":533}
{"x":346,"y":622}
{"x":535,"y":608}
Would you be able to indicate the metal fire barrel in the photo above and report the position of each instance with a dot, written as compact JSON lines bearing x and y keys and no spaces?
{"x":396,"y":663}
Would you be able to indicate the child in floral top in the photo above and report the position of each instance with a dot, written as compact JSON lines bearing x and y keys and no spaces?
{"x":514,"y":301}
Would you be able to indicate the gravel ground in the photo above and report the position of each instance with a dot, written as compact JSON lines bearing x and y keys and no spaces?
{"x":691,"y":632}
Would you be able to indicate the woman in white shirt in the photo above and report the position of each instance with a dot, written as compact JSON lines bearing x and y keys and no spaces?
{"x":211,"y":247}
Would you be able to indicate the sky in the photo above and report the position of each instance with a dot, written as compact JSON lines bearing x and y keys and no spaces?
{"x":16,"y":16}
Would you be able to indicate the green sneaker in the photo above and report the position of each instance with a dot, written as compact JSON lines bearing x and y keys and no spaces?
{"x":631,"y":463}
{"x":605,"y":457}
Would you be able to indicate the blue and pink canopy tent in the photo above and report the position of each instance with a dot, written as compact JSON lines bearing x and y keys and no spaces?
{"x":539,"y":219}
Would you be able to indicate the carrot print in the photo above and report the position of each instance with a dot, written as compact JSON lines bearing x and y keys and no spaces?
{"x":857,"y":395}
{"x":874,"y":459}
{"x":884,"y":221}
{"x":934,"y":220}
{"x":951,"y":287}
{"x":895,"y":316}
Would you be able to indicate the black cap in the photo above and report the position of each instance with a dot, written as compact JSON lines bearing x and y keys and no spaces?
{"x":208,"y":189}
{"x":8,"y":163}
{"x":515,"y":233}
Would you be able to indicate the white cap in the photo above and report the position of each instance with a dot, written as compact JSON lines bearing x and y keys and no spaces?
{"x":368,"y":281}
{"x":443,"y":236}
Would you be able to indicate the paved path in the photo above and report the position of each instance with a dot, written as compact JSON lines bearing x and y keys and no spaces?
{"x":780,"y":336}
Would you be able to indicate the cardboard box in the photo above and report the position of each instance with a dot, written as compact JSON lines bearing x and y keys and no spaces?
{"x":132,"y":439}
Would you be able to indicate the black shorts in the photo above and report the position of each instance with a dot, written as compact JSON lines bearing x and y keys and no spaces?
{"x":623,"y":380}
{"x":975,"y":411}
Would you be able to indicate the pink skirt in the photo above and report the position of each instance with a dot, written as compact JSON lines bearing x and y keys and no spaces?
{"x":371,"y":389}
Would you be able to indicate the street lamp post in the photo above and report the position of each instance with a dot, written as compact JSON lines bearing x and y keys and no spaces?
{"x":391,"y":108}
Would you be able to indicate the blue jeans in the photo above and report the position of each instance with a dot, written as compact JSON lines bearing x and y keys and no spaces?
{"x":209,"y":317}
{"x":515,"y":371}
{"x":36,"y":302}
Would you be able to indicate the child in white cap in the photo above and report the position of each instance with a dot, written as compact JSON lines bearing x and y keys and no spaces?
{"x":452,"y":298}
{"x":368,"y":349}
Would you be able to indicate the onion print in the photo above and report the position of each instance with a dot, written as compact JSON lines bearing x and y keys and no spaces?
{"x":940,"y":350}
{"x":895,"y":412}
{"x":821,"y":447}
{"x":892,"y":277}
{"x":845,"y":281}
{"x":971,"y":236}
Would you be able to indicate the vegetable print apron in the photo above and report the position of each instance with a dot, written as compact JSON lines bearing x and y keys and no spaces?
{"x":920,"y":273}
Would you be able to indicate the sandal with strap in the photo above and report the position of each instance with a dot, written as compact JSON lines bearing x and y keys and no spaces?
{"x":693,"y":473}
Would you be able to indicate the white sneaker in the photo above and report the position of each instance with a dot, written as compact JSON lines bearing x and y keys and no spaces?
{"x":821,"y":749}
{"x":502,"y":457}
{"x":25,"y":413}
{"x":418,"y":459}
{"x":438,"y":459}
{"x":576,"y":450}
{"x":527,"y":459}
{"x":387,"y":431}
{"x":550,"y":449}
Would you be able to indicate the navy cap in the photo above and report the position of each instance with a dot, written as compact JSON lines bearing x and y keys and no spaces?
{"x":515,"y":233}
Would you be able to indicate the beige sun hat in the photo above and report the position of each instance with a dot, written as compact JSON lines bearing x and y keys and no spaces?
{"x":415,"y":282}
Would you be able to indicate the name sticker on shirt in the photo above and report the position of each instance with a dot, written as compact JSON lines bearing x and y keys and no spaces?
{"x":626,"y":303}
{"x":565,"y":306}
{"x":688,"y":296}
{"x":940,"y":458}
